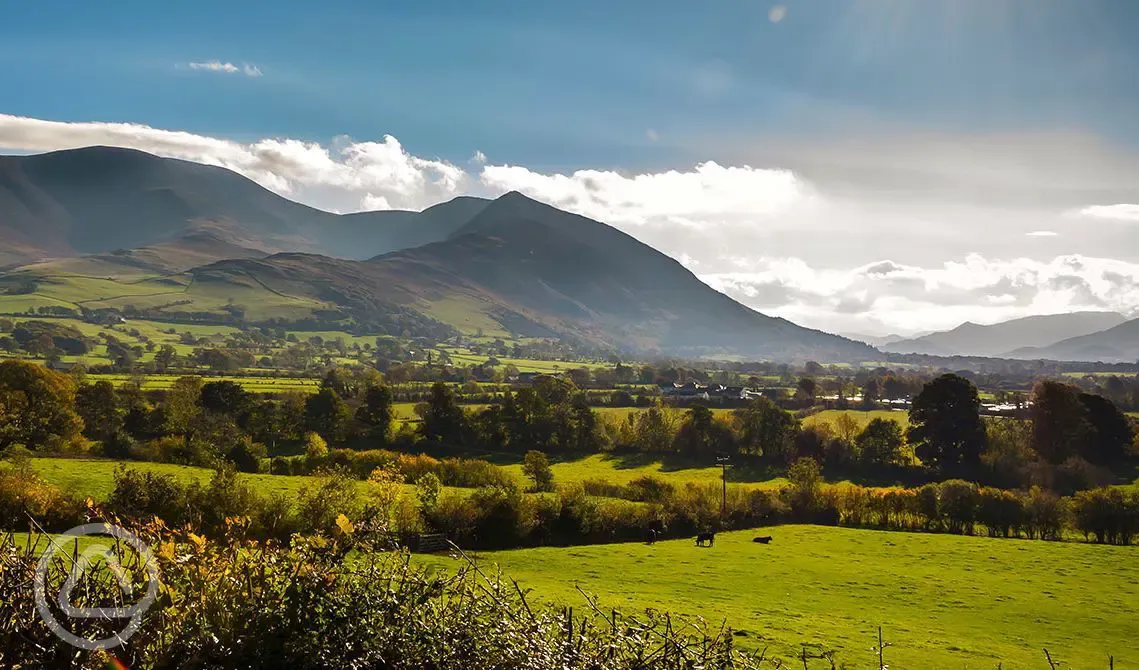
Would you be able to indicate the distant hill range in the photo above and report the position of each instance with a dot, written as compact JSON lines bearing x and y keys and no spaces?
{"x":1119,"y":344}
{"x":172,"y":238}
{"x":1018,"y":338}
{"x":878,"y":340}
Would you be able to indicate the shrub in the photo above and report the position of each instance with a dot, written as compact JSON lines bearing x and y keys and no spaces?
{"x":806,"y":482}
{"x":649,"y":489}
{"x":505,"y":516}
{"x":1001,"y":512}
{"x":537,"y":468}
{"x":315,"y":447}
{"x":320,"y":505}
{"x":141,"y":495}
{"x":1076,"y":474}
{"x":246,"y":454}
{"x":959,"y":501}
{"x":928,"y":503}
{"x":23,"y":493}
{"x":1108,"y":514}
{"x":335,"y":602}
{"x":1045,"y":514}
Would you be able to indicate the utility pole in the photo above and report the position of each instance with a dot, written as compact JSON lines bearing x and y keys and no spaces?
{"x":723,"y":462}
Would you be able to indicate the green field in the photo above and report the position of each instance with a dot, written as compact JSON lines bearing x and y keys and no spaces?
{"x":861,"y":417}
{"x":943,"y":601}
{"x":622,"y":470}
{"x":251,"y":384}
{"x":95,"y":478}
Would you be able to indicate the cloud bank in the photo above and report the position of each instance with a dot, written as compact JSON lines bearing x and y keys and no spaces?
{"x":798,"y":234}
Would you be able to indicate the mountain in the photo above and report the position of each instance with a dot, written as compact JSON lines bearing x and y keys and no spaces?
{"x":109,"y":228}
{"x":101,"y":199}
{"x":876,"y":340}
{"x":527,"y":268}
{"x":1119,"y":344}
{"x":999,"y":339}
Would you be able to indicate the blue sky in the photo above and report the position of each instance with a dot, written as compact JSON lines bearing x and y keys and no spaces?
{"x":576,"y":84}
{"x":783,"y":149}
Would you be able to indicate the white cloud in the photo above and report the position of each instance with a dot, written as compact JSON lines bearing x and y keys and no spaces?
{"x":651,"y":135}
{"x":1120,"y":212}
{"x":893,"y":297}
{"x":479,"y":158}
{"x":777,"y":13}
{"x":333,"y":178}
{"x":215,"y":66}
{"x":371,"y":202}
{"x":1042,"y":233}
{"x":248,"y":69}
{"x":703,"y":196}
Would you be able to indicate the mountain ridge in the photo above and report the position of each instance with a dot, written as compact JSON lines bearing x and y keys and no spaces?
{"x":101,"y":199}
{"x":1003,"y":338}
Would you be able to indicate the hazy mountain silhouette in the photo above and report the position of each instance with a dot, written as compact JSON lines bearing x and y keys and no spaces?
{"x":1119,"y":344}
{"x":999,"y":339}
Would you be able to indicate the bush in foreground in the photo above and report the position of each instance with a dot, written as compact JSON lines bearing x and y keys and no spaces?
{"x":334,"y":601}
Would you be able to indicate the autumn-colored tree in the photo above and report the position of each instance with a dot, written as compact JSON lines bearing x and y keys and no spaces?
{"x":37,"y":406}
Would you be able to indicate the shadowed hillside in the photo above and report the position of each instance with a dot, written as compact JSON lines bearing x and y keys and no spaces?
{"x":100,"y":199}
{"x":537,"y":270}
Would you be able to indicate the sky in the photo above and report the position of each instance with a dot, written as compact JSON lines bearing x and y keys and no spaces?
{"x":860,"y":166}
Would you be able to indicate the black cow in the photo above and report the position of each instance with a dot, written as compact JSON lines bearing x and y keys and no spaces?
{"x":702,"y":538}
{"x":766,"y":539}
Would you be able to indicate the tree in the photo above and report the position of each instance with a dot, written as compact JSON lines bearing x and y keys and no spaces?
{"x":807,"y":388}
{"x":1008,"y":452}
{"x":880,"y":442}
{"x":326,"y":414}
{"x":180,"y":406}
{"x":537,"y":467}
{"x":225,"y":397}
{"x":444,"y":421}
{"x":376,"y":412}
{"x":246,"y":454}
{"x":655,"y":429}
{"x":95,"y":404}
{"x":36,"y":406}
{"x":701,"y":435}
{"x":315,"y":446}
{"x":945,"y":424}
{"x":806,"y":480}
{"x":1109,"y":440}
{"x":765,"y":429}
{"x":846,"y":427}
{"x":1059,"y":421}
{"x":165,"y":358}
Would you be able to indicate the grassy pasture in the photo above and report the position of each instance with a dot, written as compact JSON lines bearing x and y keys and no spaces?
{"x":943,"y":601}
{"x":251,"y":384}
{"x":861,"y":417}
{"x":622,"y":470}
{"x":95,"y":479}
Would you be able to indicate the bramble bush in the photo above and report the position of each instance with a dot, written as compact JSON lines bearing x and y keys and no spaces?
{"x":331,"y":600}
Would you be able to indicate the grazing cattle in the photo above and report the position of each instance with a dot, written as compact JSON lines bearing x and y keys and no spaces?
{"x":651,"y":536}
{"x":766,"y":539}
{"x":705,"y":539}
